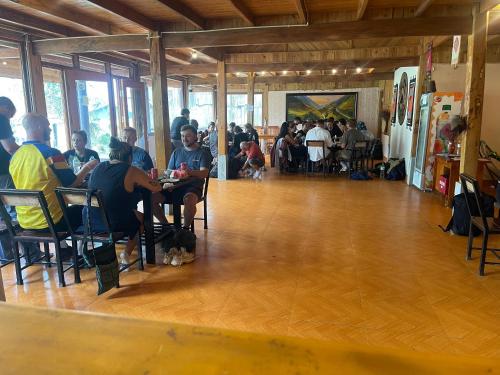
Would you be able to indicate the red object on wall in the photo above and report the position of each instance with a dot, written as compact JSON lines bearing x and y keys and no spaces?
{"x":443,"y":185}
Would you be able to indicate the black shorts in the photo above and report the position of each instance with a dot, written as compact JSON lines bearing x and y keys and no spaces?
{"x":177,"y":195}
{"x":256,"y":162}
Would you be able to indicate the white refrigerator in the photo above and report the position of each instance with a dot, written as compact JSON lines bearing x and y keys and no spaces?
{"x":436,"y":111}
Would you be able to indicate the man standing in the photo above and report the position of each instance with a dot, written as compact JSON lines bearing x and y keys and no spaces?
{"x":36,"y":166}
{"x":319,"y":133}
{"x":175,"y":129}
{"x":140,"y":158}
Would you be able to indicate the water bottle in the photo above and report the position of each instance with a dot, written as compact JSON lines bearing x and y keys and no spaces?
{"x":382,"y":171}
{"x":75,"y":165}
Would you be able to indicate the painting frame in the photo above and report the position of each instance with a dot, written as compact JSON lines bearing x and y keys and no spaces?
{"x":394,"y":104}
{"x":348,"y":97}
{"x":410,"y":108}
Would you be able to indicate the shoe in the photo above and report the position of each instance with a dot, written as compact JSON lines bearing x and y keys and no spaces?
{"x":167,"y":258}
{"x":181,"y":257}
{"x":124,"y":259}
{"x":343,"y":169}
{"x":257,"y":175}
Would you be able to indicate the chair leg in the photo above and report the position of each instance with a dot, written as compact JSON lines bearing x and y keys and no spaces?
{"x":139,"y":254}
{"x":17,"y":263}
{"x":483,"y":253}
{"x":76,"y":264}
{"x":205,"y":219}
{"x":60,"y":271}
{"x":47,"y":253}
{"x":469,"y":244}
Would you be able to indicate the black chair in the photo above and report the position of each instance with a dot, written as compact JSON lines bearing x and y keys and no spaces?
{"x":33,"y":198}
{"x":485,"y":224}
{"x":309,"y":162}
{"x":73,"y":196}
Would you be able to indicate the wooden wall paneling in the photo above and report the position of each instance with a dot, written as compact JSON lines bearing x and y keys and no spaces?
{"x":474,"y":92}
{"x":160,"y":101}
{"x":250,"y":98}
{"x":222,"y":158}
{"x":32,"y":78}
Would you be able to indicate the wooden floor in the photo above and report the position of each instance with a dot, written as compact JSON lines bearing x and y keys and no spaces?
{"x":348,"y":261}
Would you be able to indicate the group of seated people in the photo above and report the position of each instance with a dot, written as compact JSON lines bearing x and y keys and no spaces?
{"x":340,"y":137}
{"x":35,"y":165}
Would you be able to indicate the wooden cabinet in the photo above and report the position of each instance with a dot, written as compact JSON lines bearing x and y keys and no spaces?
{"x":450,"y":167}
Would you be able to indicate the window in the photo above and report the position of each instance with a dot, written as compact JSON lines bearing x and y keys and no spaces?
{"x":93,"y":106}
{"x":237,"y":109}
{"x":201,"y":107}
{"x":174,"y":102}
{"x":53,"y":89}
{"x":11,"y":86}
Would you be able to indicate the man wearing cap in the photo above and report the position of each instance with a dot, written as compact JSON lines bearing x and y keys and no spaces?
{"x":175,"y":129}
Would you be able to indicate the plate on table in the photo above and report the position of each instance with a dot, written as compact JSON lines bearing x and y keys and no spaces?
{"x":170,"y":180}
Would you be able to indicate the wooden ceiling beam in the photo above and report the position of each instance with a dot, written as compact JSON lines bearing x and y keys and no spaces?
{"x":185,"y":12}
{"x":487,"y":5}
{"x":315,"y":66}
{"x":243,"y":11}
{"x":128,"y":13}
{"x":362,"y":4}
{"x":302,"y":11}
{"x":129,"y":42}
{"x":337,"y":31}
{"x":300,"y":79}
{"x":424,"y":5}
{"x":59,"y":10}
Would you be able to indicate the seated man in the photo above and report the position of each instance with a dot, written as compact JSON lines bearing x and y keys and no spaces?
{"x":140,"y":158}
{"x":36,"y":166}
{"x":255,"y":158}
{"x":347,"y":143}
{"x":79,"y":154}
{"x":319,"y":133}
{"x":198,"y":164}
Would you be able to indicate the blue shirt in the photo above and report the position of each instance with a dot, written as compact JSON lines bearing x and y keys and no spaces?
{"x":195,"y":159}
{"x":141,"y":159}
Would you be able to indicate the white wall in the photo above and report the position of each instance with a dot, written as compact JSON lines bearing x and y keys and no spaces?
{"x":401,"y":139}
{"x":368,"y":105}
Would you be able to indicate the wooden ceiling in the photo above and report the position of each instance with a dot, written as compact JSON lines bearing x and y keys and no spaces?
{"x":70,"y":18}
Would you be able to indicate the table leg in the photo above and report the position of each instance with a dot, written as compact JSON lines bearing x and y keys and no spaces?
{"x":149,"y":237}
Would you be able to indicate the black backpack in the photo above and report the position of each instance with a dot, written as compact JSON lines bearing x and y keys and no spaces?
{"x":460,"y":220}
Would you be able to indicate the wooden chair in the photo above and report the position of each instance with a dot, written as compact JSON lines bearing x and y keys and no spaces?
{"x":470,"y":187}
{"x":33,"y":198}
{"x":316,"y":144}
{"x":72,"y":196}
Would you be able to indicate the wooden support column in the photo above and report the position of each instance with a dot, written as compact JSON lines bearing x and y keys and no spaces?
{"x":33,"y":79}
{"x":158,"y":69}
{"x":222,"y":158}
{"x":185,"y":93}
{"x":474,"y":92}
{"x":250,"y":97}
{"x":111,"y":99}
{"x":214,"y":102}
{"x":265,"y":106}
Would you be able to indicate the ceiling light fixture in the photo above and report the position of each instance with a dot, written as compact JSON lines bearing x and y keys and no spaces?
{"x":194,"y":55}
{"x":308,"y":72}
{"x":262,"y":73}
{"x":334,"y":71}
{"x":285,"y":72}
{"x":359,"y":70}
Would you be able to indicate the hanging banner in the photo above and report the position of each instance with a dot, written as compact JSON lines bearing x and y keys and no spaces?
{"x":411,"y":102}
{"x":455,"y":52}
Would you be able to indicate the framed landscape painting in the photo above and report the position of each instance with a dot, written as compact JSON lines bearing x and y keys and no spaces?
{"x":320,"y":106}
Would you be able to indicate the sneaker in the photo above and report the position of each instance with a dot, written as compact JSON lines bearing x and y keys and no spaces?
{"x":250,"y":173}
{"x":257,"y":175}
{"x":343,"y":169}
{"x":167,"y":259}
{"x":124,"y":259}
{"x":182,"y":257}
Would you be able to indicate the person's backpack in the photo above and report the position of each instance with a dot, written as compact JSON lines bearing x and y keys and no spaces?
{"x":460,"y":220}
{"x":397,"y":172}
{"x":360,"y":176}
{"x":376,"y":151}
